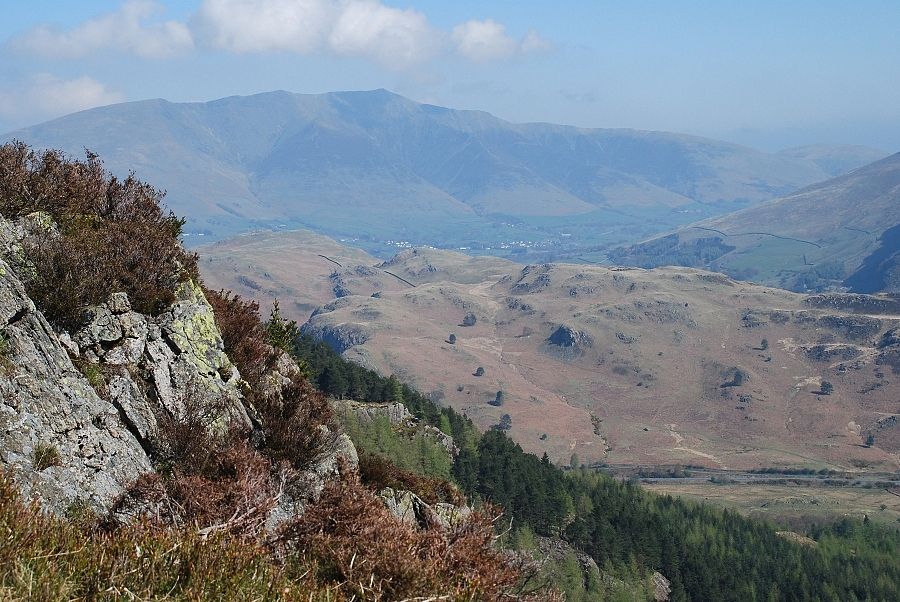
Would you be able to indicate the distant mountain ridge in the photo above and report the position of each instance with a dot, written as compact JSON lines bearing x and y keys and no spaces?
{"x":842,"y":232}
{"x":377,"y":165}
{"x":836,"y":160}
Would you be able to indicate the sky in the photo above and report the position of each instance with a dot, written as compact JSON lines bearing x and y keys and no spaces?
{"x":768,"y":74}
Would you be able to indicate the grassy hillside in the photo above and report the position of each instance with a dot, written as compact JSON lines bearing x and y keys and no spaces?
{"x":623,"y":366}
{"x":706,"y":553}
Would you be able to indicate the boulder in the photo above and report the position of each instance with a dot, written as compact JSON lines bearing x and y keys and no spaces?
{"x":412,"y":510}
{"x":566,"y":336}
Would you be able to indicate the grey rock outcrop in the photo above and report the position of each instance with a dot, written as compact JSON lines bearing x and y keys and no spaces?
{"x":412,"y":510}
{"x":62,"y":442}
{"x":307,"y":487}
{"x":162,"y":363}
{"x":395,"y":412}
{"x":566,"y":336}
{"x":398,"y":415}
{"x":339,"y":337}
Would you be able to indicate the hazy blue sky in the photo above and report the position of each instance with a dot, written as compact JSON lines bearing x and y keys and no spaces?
{"x":765,"y":73}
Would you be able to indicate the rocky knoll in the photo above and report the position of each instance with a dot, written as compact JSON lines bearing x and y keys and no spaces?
{"x":80,"y":410}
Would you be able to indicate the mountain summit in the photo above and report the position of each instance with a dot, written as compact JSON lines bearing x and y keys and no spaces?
{"x":377,"y":165}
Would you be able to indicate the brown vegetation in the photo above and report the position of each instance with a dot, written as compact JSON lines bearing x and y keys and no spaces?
{"x":243,"y":334}
{"x":107,"y":235}
{"x":46,"y":558}
{"x":377,"y":472}
{"x":291,"y":415}
{"x":357,"y":545}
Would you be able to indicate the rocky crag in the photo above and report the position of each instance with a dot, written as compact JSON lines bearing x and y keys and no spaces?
{"x":80,"y":410}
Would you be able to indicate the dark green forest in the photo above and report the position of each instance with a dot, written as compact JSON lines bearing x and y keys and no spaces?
{"x":707,"y":553}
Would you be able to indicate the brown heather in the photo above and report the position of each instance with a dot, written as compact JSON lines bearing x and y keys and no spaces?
{"x":358,"y":546}
{"x":45,"y":559}
{"x":113,"y":235}
{"x":243,"y":334}
{"x":377,"y":472}
{"x":291,"y":416}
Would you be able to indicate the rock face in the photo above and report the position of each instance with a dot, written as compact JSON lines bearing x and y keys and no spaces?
{"x":567,"y":343}
{"x":308,"y":486}
{"x":565,"y":336}
{"x":79,"y":412}
{"x":162,"y":363}
{"x":64,"y":443}
{"x":397,"y":414}
{"x":339,"y":337}
{"x":411,"y":509}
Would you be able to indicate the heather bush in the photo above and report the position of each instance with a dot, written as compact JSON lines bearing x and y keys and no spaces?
{"x":243,"y":334}
{"x":358,"y":546}
{"x":296,"y":423}
{"x":111,"y":234}
{"x":377,"y":472}
{"x":294,"y":418}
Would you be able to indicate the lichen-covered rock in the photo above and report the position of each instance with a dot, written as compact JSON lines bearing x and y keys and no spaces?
{"x":180,"y":354}
{"x":131,"y":401}
{"x":411,"y":509}
{"x":62,"y":442}
{"x":407,"y":506}
{"x":449,"y":515}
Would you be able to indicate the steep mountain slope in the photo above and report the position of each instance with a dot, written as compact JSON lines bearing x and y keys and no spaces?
{"x":843,"y":231}
{"x":626,"y":365}
{"x":379,"y":166}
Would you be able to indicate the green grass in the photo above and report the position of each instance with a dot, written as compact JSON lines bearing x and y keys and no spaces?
{"x":94,"y":375}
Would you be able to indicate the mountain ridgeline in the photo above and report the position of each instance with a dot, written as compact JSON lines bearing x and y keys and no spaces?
{"x":839,"y":233}
{"x":378,"y":167}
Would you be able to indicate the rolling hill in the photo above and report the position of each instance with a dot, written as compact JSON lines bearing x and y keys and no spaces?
{"x":839,"y":233}
{"x":379,"y":167}
{"x":664,"y":366}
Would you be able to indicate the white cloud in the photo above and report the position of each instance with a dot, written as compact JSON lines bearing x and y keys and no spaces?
{"x":397,"y":38}
{"x":131,"y":28}
{"x":44,"y":96}
{"x":394,"y":38}
{"x":533,"y":42}
{"x":487,"y":40}
{"x":243,"y":26}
